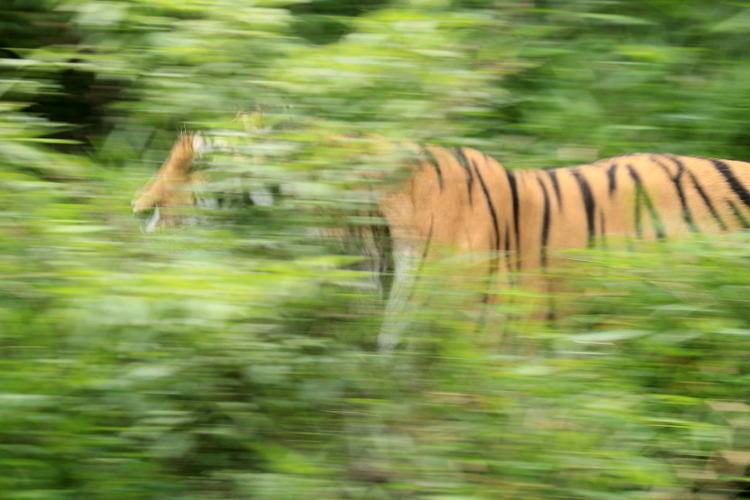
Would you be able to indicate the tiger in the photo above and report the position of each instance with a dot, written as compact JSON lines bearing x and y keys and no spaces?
{"x":460,"y":199}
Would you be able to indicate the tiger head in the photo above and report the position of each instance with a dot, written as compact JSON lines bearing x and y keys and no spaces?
{"x":162,"y":202}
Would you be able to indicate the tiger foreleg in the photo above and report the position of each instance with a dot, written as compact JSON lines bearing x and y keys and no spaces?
{"x":397,"y":319}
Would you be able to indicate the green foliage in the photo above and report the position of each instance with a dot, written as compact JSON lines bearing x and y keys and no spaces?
{"x":237,"y":360}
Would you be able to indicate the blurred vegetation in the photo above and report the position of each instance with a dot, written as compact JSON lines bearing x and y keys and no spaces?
{"x":236,"y":359}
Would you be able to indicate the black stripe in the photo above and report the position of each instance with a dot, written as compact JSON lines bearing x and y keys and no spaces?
{"x":545,"y":224}
{"x":516,"y":215}
{"x":612,"y":176}
{"x":429,"y":237}
{"x":507,"y":239}
{"x":589,"y":204}
{"x":603,"y":230}
{"x":507,"y":251}
{"x":733,"y":182}
{"x":556,"y":186}
{"x":494,"y":262}
{"x":706,"y":200}
{"x":430,"y":158}
{"x":677,"y":181}
{"x":461,"y":158}
{"x":488,"y":198}
{"x":738,"y":214}
{"x":551,"y":314}
{"x":638,"y":193}
{"x":384,"y":248}
{"x":221,"y":200}
{"x":641,"y":194}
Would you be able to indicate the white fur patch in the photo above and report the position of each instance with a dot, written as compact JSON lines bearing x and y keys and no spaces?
{"x":201,"y":144}
{"x":153,"y":221}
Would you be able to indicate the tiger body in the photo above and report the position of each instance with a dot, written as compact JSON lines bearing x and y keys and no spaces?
{"x":460,"y":201}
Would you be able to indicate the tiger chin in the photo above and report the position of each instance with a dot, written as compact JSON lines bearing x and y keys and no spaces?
{"x":459,"y":201}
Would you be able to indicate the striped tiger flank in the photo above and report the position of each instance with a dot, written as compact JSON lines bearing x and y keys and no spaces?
{"x":467,"y":201}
